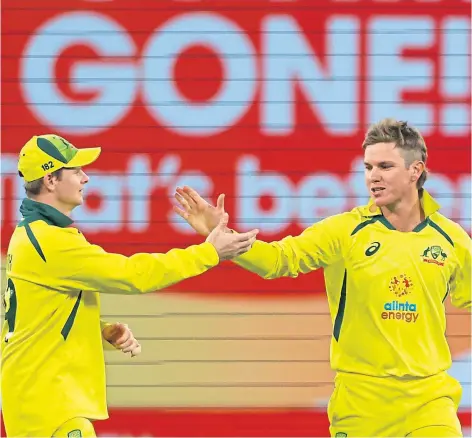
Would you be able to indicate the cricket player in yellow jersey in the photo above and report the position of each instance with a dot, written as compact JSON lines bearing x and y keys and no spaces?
{"x":389,"y":266}
{"x":53,"y":370}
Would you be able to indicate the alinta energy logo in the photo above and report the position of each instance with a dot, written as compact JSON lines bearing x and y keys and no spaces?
{"x":434,"y":254}
{"x":400,"y":286}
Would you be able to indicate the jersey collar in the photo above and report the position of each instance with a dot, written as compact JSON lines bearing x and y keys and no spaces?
{"x":33,"y":211}
{"x":428,"y":203}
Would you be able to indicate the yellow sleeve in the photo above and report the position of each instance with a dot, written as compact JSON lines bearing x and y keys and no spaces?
{"x":74,"y":263}
{"x":318,"y":246}
{"x":460,"y":285}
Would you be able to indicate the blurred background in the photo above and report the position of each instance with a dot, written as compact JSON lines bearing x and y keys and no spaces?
{"x":268,"y":102}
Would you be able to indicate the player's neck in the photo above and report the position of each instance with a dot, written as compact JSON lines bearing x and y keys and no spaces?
{"x":406,"y":214}
{"x":53,"y":202}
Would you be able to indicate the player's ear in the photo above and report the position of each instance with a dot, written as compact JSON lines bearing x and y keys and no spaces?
{"x":417,"y":169}
{"x":48,"y":181}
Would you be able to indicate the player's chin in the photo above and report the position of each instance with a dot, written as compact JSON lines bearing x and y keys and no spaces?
{"x":79,"y":200}
{"x":382,"y":199}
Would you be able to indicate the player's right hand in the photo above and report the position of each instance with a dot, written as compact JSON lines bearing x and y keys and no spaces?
{"x":229,"y":245}
{"x":200,"y":214}
{"x":122,"y":338}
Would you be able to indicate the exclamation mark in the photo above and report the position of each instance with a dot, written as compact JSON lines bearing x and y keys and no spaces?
{"x":455,"y":79}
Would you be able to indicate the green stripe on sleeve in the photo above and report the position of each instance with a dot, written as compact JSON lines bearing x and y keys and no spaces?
{"x":34,"y":241}
{"x":70,"y":320}
{"x":447,"y":293}
{"x":342,"y":304}
{"x":440,"y":231}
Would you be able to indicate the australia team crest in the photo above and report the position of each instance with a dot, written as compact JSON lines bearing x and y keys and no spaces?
{"x":434,"y":254}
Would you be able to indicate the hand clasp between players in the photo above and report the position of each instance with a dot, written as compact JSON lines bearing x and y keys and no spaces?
{"x":211,"y":221}
{"x":228,"y":244}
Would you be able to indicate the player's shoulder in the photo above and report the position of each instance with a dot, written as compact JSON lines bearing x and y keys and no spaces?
{"x":45,"y":228}
{"x":456,"y":233}
{"x":52,"y":237}
{"x":345,"y":222}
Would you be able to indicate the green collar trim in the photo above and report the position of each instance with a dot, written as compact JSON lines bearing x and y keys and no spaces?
{"x":371,"y":211}
{"x":34,"y":211}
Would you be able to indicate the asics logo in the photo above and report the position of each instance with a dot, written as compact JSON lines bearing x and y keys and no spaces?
{"x":372,"y":249}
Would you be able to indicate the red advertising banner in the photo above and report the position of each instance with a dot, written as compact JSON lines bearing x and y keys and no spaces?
{"x":267,"y":102}
{"x":223,"y":423}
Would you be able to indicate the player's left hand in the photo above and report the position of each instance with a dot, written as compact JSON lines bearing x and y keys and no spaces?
{"x":122,"y":338}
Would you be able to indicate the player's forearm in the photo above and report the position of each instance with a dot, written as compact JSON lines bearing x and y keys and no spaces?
{"x":150,"y":272}
{"x":178,"y":265}
{"x":268,"y":260}
{"x":317,"y":246}
{"x":93,"y":269}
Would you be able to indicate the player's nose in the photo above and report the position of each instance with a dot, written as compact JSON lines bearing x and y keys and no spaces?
{"x":85,"y":178}
{"x":375,"y":175}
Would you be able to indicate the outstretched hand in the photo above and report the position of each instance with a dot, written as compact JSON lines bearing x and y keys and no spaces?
{"x":199,"y":214}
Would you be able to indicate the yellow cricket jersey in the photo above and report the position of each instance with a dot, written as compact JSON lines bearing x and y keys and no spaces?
{"x":386,"y":289}
{"x":52,"y":354}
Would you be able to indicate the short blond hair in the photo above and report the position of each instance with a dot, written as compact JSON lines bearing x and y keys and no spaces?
{"x":407,"y":138}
